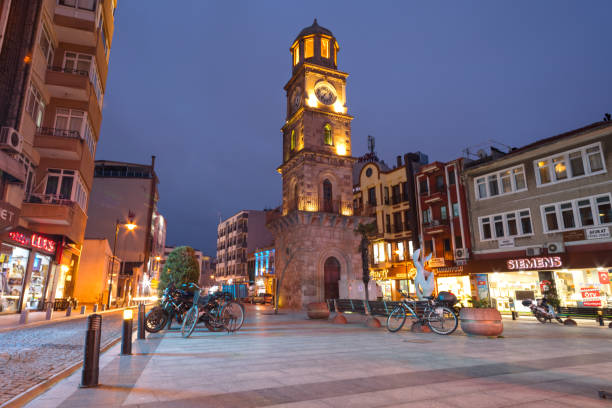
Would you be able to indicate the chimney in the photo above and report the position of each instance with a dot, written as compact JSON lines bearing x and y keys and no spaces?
{"x":399,"y":161}
{"x":153,"y":162}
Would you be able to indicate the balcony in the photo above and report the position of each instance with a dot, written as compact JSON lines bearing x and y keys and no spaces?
{"x":397,"y":228}
{"x":436,"y":227}
{"x":59,"y":143}
{"x":439,"y":194}
{"x":314,"y":204}
{"x":48,"y":214}
{"x":396,"y":199}
{"x":75,"y":25}
{"x":66,"y":83}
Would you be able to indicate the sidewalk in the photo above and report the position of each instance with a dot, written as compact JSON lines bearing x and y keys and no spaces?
{"x":289,"y":361}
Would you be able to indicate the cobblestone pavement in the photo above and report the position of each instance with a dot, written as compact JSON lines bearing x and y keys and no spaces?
{"x":30,"y":356}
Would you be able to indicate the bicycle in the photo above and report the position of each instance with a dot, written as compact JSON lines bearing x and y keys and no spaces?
{"x":440,"y":319}
{"x":218,"y":312}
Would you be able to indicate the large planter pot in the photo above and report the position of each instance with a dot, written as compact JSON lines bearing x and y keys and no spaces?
{"x":317,"y":310}
{"x":481,"y":322}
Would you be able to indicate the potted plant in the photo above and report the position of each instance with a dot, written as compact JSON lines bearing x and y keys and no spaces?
{"x":481,"y":319}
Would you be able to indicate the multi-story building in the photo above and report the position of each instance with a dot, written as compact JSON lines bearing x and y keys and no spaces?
{"x":444,"y":225}
{"x":238,"y":236}
{"x":54,"y":62}
{"x":125,"y":192}
{"x":540,"y":216}
{"x":388,"y":195}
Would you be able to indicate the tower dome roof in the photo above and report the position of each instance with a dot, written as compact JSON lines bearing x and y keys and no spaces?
{"x":315,"y":28}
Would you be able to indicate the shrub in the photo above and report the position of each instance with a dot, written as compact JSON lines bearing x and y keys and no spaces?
{"x":181,"y":267}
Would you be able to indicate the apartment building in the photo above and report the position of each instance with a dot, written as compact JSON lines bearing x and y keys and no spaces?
{"x":128,"y":193}
{"x":238,"y":236}
{"x":444,"y":225}
{"x":54,"y":61}
{"x":540,"y":217}
{"x":388,"y":196}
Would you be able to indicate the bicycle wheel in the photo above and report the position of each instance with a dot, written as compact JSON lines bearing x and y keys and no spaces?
{"x":232,"y":316}
{"x":189,"y":322}
{"x":396,"y":319}
{"x":442,"y":320}
{"x":541,"y":318}
{"x":156,"y":320}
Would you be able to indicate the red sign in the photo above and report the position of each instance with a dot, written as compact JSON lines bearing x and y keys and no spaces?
{"x":604,"y":277}
{"x":590,"y":297}
{"x":543,"y":262}
{"x":36,"y":241}
{"x":545,"y":286}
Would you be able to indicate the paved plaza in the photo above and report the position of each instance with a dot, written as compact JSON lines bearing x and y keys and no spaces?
{"x":289,"y":361}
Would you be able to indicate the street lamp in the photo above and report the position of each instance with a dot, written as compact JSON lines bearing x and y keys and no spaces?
{"x":130,"y":226}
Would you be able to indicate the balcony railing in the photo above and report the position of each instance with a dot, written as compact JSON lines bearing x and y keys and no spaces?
{"x":48,"y":199}
{"x":321,"y":205}
{"x":69,"y":70}
{"x":397,"y":228}
{"x":48,"y":131}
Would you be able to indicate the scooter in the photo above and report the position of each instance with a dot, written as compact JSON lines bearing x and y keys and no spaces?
{"x":542,"y":310}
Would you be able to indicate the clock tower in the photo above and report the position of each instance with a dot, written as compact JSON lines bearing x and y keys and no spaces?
{"x":316,"y":243}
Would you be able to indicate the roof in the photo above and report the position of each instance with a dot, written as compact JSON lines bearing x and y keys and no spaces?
{"x":315,"y":28}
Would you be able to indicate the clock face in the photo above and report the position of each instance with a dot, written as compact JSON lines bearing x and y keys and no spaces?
{"x":326,"y":93}
{"x":296,"y":101}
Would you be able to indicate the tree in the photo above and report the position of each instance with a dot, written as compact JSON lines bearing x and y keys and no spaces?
{"x":181,"y":267}
{"x":366,"y":231}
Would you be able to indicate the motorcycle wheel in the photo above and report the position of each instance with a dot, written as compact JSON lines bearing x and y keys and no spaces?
{"x":541,"y":318}
{"x":560,"y":320}
{"x":156,"y":320}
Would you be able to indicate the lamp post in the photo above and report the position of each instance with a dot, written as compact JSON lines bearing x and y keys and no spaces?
{"x":130,"y":226}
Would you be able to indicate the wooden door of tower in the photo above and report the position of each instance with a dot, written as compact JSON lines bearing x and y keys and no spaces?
{"x":331,"y":274}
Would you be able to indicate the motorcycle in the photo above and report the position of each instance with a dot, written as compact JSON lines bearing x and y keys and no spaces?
{"x":173,"y":305}
{"x":542,"y":310}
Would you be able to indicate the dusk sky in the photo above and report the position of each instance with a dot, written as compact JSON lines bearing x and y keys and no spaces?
{"x":200,"y":83}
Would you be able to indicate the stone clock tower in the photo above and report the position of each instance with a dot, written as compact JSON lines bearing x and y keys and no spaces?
{"x":316,"y":243}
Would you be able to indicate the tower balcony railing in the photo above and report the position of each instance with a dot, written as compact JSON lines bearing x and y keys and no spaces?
{"x":49,"y":131}
{"x":314,"y":204}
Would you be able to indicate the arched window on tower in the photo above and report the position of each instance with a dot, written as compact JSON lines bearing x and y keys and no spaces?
{"x":325,"y":47}
{"x":328,"y":140}
{"x":327,"y":196}
{"x":308,"y":47}
{"x":296,"y":199}
{"x":296,"y":55}
{"x":293,"y":139}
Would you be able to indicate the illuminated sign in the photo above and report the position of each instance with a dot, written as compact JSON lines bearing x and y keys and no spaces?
{"x":535,"y":263}
{"x":35,"y":240}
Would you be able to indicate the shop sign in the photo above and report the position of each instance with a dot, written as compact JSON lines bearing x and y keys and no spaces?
{"x":9,"y":215}
{"x":482,"y":285}
{"x":154,"y":283}
{"x":34,"y":240}
{"x":379,"y":275}
{"x":604,"y":277}
{"x":590,"y":297}
{"x":575,"y":235}
{"x":505,"y":243}
{"x":534,"y":263}
{"x":598,"y":233}
{"x":436,"y":262}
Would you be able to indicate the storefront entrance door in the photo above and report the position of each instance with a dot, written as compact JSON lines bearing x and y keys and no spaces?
{"x":331,"y":272}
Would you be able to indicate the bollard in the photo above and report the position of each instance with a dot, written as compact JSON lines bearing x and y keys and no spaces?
{"x":600,"y":319}
{"x":68,"y":310}
{"x":95,"y":308}
{"x":514,"y":315}
{"x":141,"y":321}
{"x":83,"y":309}
{"x":103,"y":307}
{"x":126,"y":337}
{"x":49,"y":315}
{"x":23,"y":319}
{"x":91,"y":359}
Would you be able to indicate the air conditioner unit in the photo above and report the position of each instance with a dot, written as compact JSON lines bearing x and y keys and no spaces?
{"x":10,"y":140}
{"x":533,"y":251}
{"x":555,"y":247}
{"x":461,"y":253}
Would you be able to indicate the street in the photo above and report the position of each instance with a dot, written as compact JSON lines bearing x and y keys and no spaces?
{"x":289,"y":361}
{"x":32,"y":355}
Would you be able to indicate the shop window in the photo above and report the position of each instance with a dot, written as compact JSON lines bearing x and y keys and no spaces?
{"x":327,"y":130}
{"x":581,"y":162}
{"x":325,"y":47}
{"x":308,"y":47}
{"x":14,"y":261}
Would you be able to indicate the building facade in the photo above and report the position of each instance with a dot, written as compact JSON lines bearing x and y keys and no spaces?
{"x":315,"y":239}
{"x":125,"y":192}
{"x":444,"y":225}
{"x":98,"y":269}
{"x":54,"y":62}
{"x":540,"y":216}
{"x":238,"y":236}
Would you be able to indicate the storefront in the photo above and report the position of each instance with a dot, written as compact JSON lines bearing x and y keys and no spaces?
{"x":579,"y":278}
{"x":27,"y":270}
{"x":393,"y":280}
{"x":264,"y":271}
{"x":456,"y":280}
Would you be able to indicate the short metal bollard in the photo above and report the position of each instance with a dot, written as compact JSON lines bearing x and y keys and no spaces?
{"x":49,"y":315}
{"x":600,"y":318}
{"x":126,"y":337}
{"x":83,"y":309}
{"x":103,"y":307}
{"x":91,"y":359}
{"x":141,"y":321}
{"x":68,"y":310}
{"x":23,"y":319}
{"x":95,"y":308}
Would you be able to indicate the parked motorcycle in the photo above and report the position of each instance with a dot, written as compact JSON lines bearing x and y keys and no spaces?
{"x":542,"y":310}
{"x":173,"y":305}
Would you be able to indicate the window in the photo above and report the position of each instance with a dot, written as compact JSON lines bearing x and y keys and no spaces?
{"x":443,"y":213}
{"x":427,"y":216}
{"x":371,"y":196}
{"x":400,"y":250}
{"x":396,"y":196}
{"x":447,"y":245}
{"x":388,"y":221}
{"x":423,"y":187}
{"x":405,"y":191}
{"x":429,"y":246}
{"x":458,"y":241}
{"x":325,"y":47}
{"x":81,"y":4}
{"x":506,"y":181}
{"x":84,"y":64}
{"x":308,"y":47}
{"x":69,"y":119}
{"x":439,"y":183}
{"x":386,"y":195}
{"x":513,"y":224}
{"x":66,"y":185}
{"x":46,"y":45}
{"x":581,"y":162}
{"x":455,"y":209}
{"x":379,"y":252}
{"x":583,"y":212}
{"x":36,"y":105}
{"x":328,"y":140}
{"x":451,"y":177}
{"x":293,"y":139}
{"x":296,"y":55}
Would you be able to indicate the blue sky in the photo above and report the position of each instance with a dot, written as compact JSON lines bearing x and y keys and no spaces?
{"x":199,"y":84}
